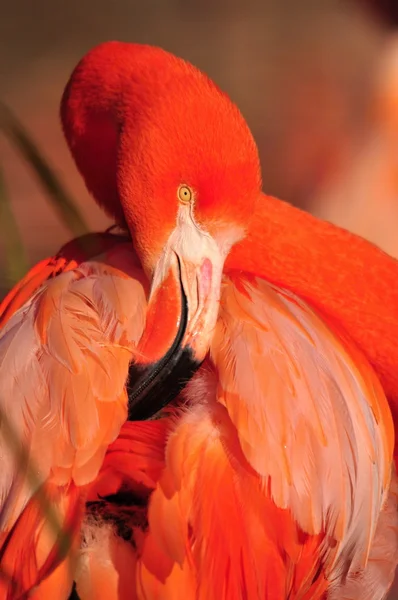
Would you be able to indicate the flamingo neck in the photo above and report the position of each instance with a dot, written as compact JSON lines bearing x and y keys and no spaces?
{"x":349,"y":281}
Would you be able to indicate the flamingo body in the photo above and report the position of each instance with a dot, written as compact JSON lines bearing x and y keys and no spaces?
{"x":271,"y":474}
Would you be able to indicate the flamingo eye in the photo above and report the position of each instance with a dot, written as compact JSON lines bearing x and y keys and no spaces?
{"x":185,"y":194}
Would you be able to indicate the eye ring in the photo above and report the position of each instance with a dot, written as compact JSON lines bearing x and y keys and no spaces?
{"x":185,"y":194}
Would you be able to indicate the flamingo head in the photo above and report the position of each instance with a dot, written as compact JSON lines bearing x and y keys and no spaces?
{"x":167,"y":153}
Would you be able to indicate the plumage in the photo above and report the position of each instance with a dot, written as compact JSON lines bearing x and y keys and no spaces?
{"x":296,"y":439}
{"x":65,"y":357}
{"x":219,"y":526}
{"x":350,"y":282}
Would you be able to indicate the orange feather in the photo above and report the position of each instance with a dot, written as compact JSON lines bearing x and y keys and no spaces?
{"x":348,"y":280}
{"x":68,"y":394}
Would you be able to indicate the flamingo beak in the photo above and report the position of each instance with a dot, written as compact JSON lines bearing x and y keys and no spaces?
{"x":181,"y":317}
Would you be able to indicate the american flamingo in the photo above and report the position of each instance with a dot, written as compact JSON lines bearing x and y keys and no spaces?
{"x":271,"y":476}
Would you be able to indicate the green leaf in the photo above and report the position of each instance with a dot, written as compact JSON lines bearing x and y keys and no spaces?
{"x":16,"y":262}
{"x":60,"y":199}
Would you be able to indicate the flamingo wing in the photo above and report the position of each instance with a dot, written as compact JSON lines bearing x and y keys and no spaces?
{"x":278,"y":474}
{"x":314,"y":415}
{"x":69,"y":257}
{"x":115,"y":522}
{"x":64,"y":359}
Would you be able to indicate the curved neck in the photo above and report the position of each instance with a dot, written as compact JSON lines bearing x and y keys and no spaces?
{"x":351,"y":282}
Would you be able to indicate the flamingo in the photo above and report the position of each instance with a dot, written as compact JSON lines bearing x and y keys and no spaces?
{"x":258,"y":347}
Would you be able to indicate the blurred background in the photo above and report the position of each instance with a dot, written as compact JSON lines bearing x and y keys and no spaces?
{"x":317,"y":80}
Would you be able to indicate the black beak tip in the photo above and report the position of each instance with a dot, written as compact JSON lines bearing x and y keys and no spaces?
{"x":155,"y":387}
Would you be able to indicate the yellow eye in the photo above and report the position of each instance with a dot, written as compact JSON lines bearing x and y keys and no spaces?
{"x":185,"y":194}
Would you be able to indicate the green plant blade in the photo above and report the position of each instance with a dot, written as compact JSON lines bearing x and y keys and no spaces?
{"x":16,"y":263}
{"x":60,"y":199}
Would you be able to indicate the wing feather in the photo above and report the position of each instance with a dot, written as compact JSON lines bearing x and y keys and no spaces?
{"x":64,"y":360}
{"x":277,"y":469}
{"x":311,"y":416}
{"x":213,"y":529}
